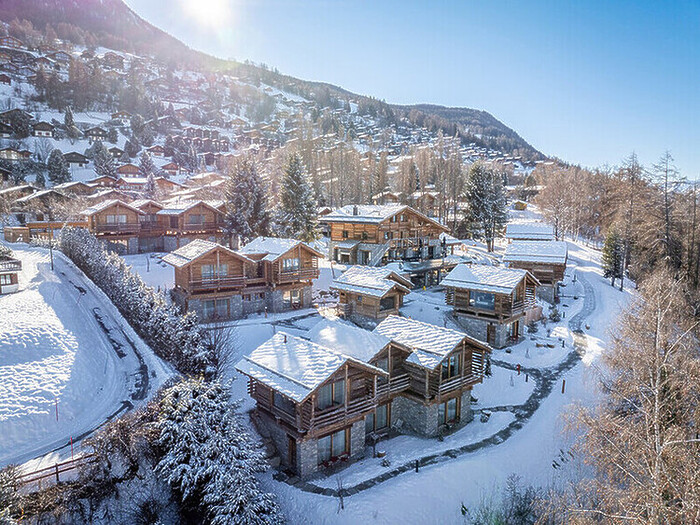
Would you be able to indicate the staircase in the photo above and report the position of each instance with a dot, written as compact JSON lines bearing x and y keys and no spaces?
{"x":378,"y":254}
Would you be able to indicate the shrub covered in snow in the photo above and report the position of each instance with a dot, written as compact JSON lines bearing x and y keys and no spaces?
{"x":175,"y":337}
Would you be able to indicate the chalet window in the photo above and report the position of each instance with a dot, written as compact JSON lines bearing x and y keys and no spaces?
{"x":208,"y":309}
{"x":450,"y":367}
{"x":378,"y":420}
{"x":291,"y":298}
{"x":283,"y":403}
{"x":290,"y":265}
{"x":346,"y":234}
{"x":382,"y":363}
{"x":208,"y":272}
{"x":403,"y":217}
{"x":388,"y":303}
{"x":195,"y":219}
{"x":483,"y":300}
{"x":447,"y":412}
{"x":332,"y":446}
{"x":388,"y":235}
{"x":365,"y":236}
{"x":222,"y":308}
{"x":358,"y":299}
{"x":5,"y":279}
{"x":116,"y":219}
{"x":331,"y":394}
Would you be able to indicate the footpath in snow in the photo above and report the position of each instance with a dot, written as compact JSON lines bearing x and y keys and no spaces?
{"x":69,"y":362}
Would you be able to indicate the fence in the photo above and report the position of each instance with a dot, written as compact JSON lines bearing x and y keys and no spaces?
{"x":52,"y":473}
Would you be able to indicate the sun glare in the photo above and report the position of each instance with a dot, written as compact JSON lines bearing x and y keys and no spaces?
{"x":211,"y":14}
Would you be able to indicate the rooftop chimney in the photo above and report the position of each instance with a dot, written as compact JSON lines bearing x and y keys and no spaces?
{"x":355,"y":210}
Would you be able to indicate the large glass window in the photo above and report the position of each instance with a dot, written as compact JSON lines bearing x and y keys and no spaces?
{"x":483,"y":300}
{"x":388,"y":303}
{"x":447,"y":412}
{"x":324,"y":449}
{"x":291,"y":298}
{"x":377,"y":420}
{"x":331,"y":394}
{"x":332,"y":446}
{"x":208,"y":272}
{"x":195,"y":218}
{"x":208,"y":309}
{"x":116,"y":219}
{"x":290,"y":265}
{"x":5,"y":279}
{"x":450,"y":367}
{"x":283,"y":403}
{"x":339,"y":443}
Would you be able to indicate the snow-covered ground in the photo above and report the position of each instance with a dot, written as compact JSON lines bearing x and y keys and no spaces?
{"x":64,"y":347}
{"x":152,"y":269}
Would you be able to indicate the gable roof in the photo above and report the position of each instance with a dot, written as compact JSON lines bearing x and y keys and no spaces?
{"x":182,"y":207}
{"x":429,"y":344}
{"x":194,"y":250}
{"x":552,"y":252}
{"x":348,"y":339}
{"x":101,"y":206}
{"x":485,"y":278}
{"x":273,"y":247}
{"x":530,"y":231}
{"x":374,"y":214}
{"x":140,"y":203}
{"x":294,"y":366}
{"x":369,"y":280}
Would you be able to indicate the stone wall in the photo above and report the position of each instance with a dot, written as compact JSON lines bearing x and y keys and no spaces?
{"x":477,"y":329}
{"x":416,"y":417}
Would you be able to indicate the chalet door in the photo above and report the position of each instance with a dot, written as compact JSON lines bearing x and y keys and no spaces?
{"x":173,"y":222}
{"x":491,"y":334}
{"x":514,"y":329}
{"x":292,"y":452}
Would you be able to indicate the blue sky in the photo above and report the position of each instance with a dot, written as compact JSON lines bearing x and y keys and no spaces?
{"x":589,"y":82}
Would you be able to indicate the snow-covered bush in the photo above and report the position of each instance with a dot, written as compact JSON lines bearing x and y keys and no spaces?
{"x":210,"y":458}
{"x":554,"y":315}
{"x":5,"y":252}
{"x":175,"y":337}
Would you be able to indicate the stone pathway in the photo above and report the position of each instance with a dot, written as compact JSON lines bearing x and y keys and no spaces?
{"x":545,"y":380}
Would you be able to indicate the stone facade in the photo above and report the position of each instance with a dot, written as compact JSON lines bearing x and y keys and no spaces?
{"x":477,"y":328}
{"x":418,"y":418}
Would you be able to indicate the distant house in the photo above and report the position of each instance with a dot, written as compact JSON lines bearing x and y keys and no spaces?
{"x":126,"y":170}
{"x":116,"y":223}
{"x":11,"y":155}
{"x":9,"y":271}
{"x":529,"y":231}
{"x":5,"y":130}
{"x":492,"y":303}
{"x":113,"y":60}
{"x":43,"y":129}
{"x":123,"y":117}
{"x":76,"y":188}
{"x":546,"y":260}
{"x":157,"y":150}
{"x":96,"y":133}
{"x":103,"y":181}
{"x":5,"y":79}
{"x":372,"y":293}
{"x":11,"y":42}
{"x":386,"y":197}
{"x":171,"y":168}
{"x":73,"y":158}
{"x":60,"y":56}
{"x":116,"y":152}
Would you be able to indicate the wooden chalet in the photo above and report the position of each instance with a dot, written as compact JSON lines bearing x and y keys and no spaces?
{"x":126,"y":170}
{"x":370,"y":293}
{"x":546,"y":260}
{"x":43,"y":129}
{"x":375,"y":234}
{"x":492,"y":303}
{"x":312,"y":400}
{"x":96,"y":133}
{"x":76,"y":188}
{"x":116,"y":223}
{"x":9,"y":272}
{"x":75,"y":159}
{"x":269,"y":274}
{"x":529,"y":231}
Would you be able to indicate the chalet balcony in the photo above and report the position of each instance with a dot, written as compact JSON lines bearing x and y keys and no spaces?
{"x":11,"y":265}
{"x":202,"y":227}
{"x":216,"y":284}
{"x":125,"y":227}
{"x":304,"y":274}
{"x":324,"y":418}
{"x":151,"y":227}
{"x":450,"y":385}
{"x":394,"y":385}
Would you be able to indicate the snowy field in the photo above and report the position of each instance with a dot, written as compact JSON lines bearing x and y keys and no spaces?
{"x":152,"y":269}
{"x":55,"y":356}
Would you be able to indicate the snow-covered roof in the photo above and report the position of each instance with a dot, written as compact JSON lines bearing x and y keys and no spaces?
{"x":106,"y":204}
{"x":429,"y":344}
{"x":348,"y":339}
{"x":294,"y":366}
{"x":538,"y":231}
{"x":182,"y":207}
{"x":347,"y":244}
{"x":484,"y":278}
{"x":374,"y":213}
{"x":139,"y":203}
{"x":272,"y":247}
{"x":369,"y":280}
{"x":552,"y":252}
{"x":194,"y":250}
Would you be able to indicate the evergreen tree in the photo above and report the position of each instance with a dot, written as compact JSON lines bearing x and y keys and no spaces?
{"x":612,"y":258}
{"x":68,"y":119}
{"x":146,"y":165}
{"x":112,"y":135}
{"x":150,"y":189}
{"x":57,"y":168}
{"x":103,"y":161}
{"x":297,"y":215}
{"x":246,"y":202}
{"x":486,"y":197}
{"x":40,"y":180}
{"x":132,"y":147}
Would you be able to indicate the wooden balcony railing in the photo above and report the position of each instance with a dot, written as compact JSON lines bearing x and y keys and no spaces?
{"x":394,"y":385}
{"x":202,"y":226}
{"x":10,"y":265}
{"x":450,"y":385}
{"x":217,"y":283}
{"x":340,"y":413}
{"x":126,"y":227}
{"x":296,"y":275}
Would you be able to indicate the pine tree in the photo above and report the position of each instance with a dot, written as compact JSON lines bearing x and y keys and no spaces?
{"x":103,"y":161}
{"x":246,"y":202}
{"x":150,"y":189}
{"x":486,"y":197}
{"x":68,"y":119}
{"x":146,"y":165}
{"x":612,"y":258}
{"x":297,"y":215}
{"x":112,"y":135}
{"x":40,"y":180}
{"x":57,"y":167}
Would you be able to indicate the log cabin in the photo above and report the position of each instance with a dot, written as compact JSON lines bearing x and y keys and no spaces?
{"x":370,"y":293}
{"x":374,"y":235}
{"x":529,"y":231}
{"x":310,"y":400}
{"x":116,"y":223}
{"x":492,"y":303}
{"x":9,"y":272}
{"x":219,"y":283}
{"x":546,"y":260}
{"x":188,"y":220}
